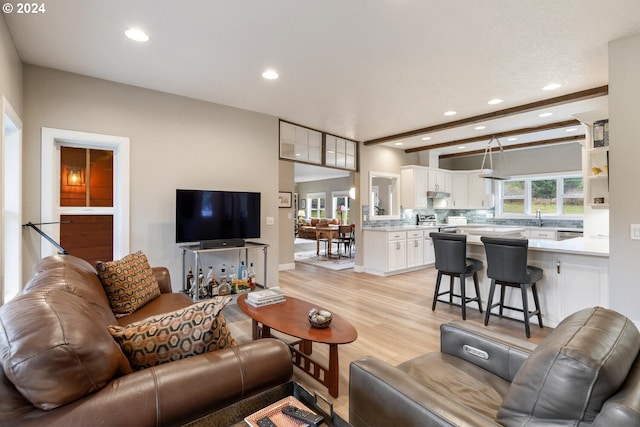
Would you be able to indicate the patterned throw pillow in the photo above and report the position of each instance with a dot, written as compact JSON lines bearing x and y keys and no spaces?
{"x":192,"y":330}
{"x":129,"y":283}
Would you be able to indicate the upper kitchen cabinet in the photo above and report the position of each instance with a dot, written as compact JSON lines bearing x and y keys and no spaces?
{"x":469,"y":191}
{"x":438,"y":180}
{"x":413,"y":181}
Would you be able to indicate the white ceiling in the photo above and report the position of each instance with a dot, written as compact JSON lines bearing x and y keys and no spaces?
{"x":361,"y":69}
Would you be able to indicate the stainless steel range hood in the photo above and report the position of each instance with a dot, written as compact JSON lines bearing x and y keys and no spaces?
{"x":437,"y":195}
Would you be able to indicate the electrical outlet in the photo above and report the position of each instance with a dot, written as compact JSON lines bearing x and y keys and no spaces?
{"x":270,"y":220}
{"x":635,"y":231}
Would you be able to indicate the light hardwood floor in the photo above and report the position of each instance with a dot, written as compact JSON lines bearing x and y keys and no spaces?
{"x":392,"y":315}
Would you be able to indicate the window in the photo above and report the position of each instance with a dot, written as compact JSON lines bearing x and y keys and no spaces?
{"x":341,"y":206}
{"x":316,"y":205}
{"x":552,"y":195}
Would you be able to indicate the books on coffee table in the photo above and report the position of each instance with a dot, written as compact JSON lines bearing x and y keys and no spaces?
{"x":265,"y":297}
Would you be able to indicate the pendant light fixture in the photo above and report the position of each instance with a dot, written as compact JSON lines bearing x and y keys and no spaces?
{"x":491,"y":173}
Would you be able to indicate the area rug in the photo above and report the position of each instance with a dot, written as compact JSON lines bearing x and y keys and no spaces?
{"x":310,"y":257}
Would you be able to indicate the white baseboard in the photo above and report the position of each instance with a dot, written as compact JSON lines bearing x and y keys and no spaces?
{"x":358,"y":268}
{"x":285,"y":267}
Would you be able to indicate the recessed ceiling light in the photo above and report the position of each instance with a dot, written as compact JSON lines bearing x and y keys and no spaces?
{"x":426,"y":138}
{"x":545,"y":115}
{"x":450,"y":113}
{"x":571,"y":130}
{"x":270,"y":74}
{"x":397,"y":143}
{"x":512,"y":139}
{"x":551,"y":86}
{"x":495,"y":101}
{"x":137,"y":35}
{"x":480,"y":127}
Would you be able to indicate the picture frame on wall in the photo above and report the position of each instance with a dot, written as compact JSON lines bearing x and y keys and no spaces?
{"x":284,"y":199}
{"x":303,"y":203}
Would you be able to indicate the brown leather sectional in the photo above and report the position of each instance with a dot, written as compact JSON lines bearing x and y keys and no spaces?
{"x":54,"y":338}
{"x":585,"y":373}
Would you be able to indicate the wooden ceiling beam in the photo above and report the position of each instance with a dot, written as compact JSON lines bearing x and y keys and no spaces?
{"x":559,"y":100}
{"x":504,"y":134}
{"x":517,"y":146}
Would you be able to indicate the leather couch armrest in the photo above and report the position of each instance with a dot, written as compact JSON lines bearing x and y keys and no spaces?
{"x":381,"y":395}
{"x":164,"y":279}
{"x":499,"y":354}
{"x":177,"y":392}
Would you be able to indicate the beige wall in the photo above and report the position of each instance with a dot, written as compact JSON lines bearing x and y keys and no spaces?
{"x":287,"y":217}
{"x":549,"y":159}
{"x":10,"y":69}
{"x":624,"y":152}
{"x":176,"y":142}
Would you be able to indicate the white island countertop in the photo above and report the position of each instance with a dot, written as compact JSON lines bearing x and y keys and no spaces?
{"x":596,"y":246}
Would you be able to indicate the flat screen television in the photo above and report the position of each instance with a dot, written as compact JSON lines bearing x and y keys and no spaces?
{"x":217,"y":218}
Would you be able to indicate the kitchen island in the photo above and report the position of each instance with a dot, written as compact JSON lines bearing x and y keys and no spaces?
{"x":576,"y":271}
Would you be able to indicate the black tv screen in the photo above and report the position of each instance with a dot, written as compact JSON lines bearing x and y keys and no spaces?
{"x":203,"y":215}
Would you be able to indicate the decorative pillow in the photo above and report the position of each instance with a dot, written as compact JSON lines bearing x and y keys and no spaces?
{"x":192,"y":330}
{"x":129,"y":283}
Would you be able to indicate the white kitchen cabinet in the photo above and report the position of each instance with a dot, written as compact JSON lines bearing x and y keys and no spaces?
{"x":413,"y":187}
{"x":393,"y":252}
{"x":415,"y":248}
{"x":479,"y":192}
{"x":469,"y":191}
{"x":429,"y":252}
{"x":459,"y":189}
{"x":438,"y":180}
{"x":396,"y":251}
{"x":581,"y":284}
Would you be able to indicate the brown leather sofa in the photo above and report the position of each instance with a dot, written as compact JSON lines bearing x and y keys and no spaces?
{"x":585,"y":373}
{"x":65,"y":309}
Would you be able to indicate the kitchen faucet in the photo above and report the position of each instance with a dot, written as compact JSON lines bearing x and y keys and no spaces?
{"x":539,"y":217}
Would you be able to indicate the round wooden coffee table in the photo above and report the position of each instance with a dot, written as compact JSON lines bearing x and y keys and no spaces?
{"x":291,"y":317}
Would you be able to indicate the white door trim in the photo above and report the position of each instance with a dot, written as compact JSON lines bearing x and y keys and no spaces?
{"x":50,"y":184}
{"x":10,"y":200}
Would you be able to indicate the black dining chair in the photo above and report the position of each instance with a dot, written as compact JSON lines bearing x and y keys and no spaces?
{"x":507,"y":266}
{"x":345,"y":239}
{"x":451,"y":260}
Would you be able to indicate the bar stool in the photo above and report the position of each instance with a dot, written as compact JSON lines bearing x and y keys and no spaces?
{"x":451,"y":260}
{"x":507,"y":266}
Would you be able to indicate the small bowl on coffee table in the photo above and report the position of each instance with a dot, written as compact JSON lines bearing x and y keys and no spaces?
{"x":319,"y":318}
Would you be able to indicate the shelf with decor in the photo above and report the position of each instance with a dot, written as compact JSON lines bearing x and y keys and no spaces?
{"x":596,"y":164}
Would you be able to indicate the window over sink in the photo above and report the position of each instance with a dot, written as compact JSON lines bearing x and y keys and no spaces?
{"x":554,"y":195}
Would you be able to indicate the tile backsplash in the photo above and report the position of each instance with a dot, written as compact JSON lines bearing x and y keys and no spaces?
{"x":474,"y":216}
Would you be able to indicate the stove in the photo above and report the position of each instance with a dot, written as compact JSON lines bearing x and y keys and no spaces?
{"x":427,"y":220}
